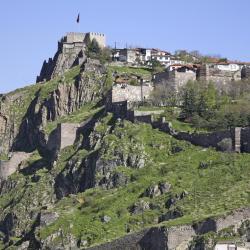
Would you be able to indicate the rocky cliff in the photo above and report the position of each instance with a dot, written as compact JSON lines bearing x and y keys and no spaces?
{"x":26,"y":112}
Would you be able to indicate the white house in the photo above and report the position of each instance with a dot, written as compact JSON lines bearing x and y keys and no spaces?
{"x":228,"y":66}
{"x":225,"y":246}
{"x":161,"y":56}
{"x":145,"y":55}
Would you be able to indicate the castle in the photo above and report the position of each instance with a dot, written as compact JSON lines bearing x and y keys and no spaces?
{"x":71,"y":52}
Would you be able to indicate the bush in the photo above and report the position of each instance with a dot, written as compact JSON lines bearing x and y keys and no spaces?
{"x":225,"y":145}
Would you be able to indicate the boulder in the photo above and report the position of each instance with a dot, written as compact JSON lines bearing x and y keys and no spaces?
{"x":157,"y":190}
{"x":105,"y":219}
{"x":171,"y":215}
{"x":48,"y":218}
{"x":139,"y":207}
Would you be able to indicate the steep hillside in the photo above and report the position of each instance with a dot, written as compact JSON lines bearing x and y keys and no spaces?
{"x":118,"y":179}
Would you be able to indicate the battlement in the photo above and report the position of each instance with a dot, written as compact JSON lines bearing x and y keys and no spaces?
{"x":99,"y":37}
{"x":77,"y":37}
{"x":96,"y":34}
{"x":74,"y":37}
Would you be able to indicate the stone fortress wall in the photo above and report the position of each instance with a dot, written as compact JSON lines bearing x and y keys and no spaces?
{"x":123,"y":97}
{"x":211,"y":73}
{"x":238,"y":138}
{"x":125,"y":92}
{"x":71,"y":52}
{"x":245,"y":72}
{"x":9,"y":167}
{"x":74,"y":37}
{"x":175,"y":78}
{"x":99,"y":37}
{"x":67,"y":134}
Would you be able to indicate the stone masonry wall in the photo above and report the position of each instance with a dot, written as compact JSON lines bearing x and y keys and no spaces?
{"x":130,"y":93}
{"x":68,"y":134}
{"x":143,"y":116}
{"x":182,"y":78}
{"x":236,"y":218}
{"x":199,"y":139}
{"x":175,"y":79}
{"x":73,"y":37}
{"x":99,"y":37}
{"x":208,"y":73}
{"x":9,"y":167}
{"x":245,"y":140}
{"x":204,"y":139}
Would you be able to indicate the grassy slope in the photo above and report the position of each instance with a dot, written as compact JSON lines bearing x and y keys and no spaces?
{"x":222,"y":187}
{"x":131,"y":70}
{"x":78,"y":116}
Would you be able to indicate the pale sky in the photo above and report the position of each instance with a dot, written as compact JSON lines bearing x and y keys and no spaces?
{"x":30,"y":29}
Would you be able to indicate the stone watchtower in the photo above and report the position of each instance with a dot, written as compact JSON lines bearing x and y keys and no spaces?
{"x":70,"y":53}
{"x":245,"y":72}
{"x":203,"y":73}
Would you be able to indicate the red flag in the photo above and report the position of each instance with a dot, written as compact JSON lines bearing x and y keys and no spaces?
{"x":78,"y":18}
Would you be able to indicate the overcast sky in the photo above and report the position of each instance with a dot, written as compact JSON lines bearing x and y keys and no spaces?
{"x":30,"y":29}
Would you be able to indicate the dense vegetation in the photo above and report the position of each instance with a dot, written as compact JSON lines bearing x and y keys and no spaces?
{"x":207,"y":106}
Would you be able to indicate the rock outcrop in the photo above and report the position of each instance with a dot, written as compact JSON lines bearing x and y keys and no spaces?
{"x":65,"y":99}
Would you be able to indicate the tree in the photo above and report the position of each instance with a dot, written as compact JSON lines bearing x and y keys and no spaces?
{"x":94,"y":51}
{"x":189,"y":100}
{"x":94,"y":46}
{"x":156,"y":66}
{"x":164,"y":96}
{"x":105,"y":55}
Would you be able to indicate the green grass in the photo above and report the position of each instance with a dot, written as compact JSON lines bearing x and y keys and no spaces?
{"x":78,"y":116}
{"x":222,"y":187}
{"x":131,"y":70}
{"x":171,"y":114}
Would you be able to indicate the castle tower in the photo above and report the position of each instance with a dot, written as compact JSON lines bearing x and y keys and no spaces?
{"x":245,"y":72}
{"x":203,"y":73}
{"x":100,"y":38}
{"x":71,"y":52}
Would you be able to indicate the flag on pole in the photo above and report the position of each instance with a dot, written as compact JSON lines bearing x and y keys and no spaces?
{"x":78,"y":18}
